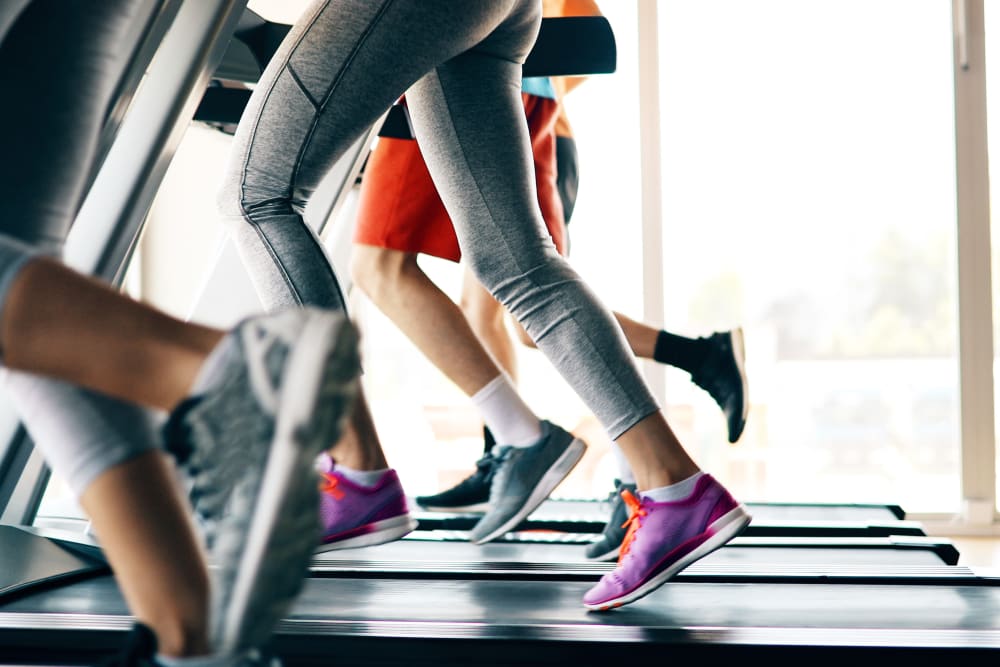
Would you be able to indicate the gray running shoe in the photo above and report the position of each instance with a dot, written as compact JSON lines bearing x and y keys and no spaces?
{"x":276,"y":398}
{"x":524,"y":477}
{"x":606,"y":548}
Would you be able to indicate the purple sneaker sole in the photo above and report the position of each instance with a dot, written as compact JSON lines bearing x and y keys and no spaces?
{"x":356,"y":515}
{"x":715,"y":536}
{"x":370,"y":534}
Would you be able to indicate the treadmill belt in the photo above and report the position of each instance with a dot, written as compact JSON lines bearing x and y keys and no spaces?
{"x":595,"y":521}
{"x":598,"y":510}
{"x":415,"y":556}
{"x":769,"y":519}
{"x":461,"y":622}
{"x":942,"y":546}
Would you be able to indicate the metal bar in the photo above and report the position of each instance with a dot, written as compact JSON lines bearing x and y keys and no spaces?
{"x":110,"y":221}
{"x":22,"y":474}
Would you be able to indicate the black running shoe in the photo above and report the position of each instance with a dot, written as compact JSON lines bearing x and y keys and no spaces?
{"x":724,"y":377}
{"x":472,"y":494}
{"x":606,"y":548}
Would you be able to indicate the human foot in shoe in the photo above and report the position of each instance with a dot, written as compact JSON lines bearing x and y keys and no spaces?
{"x":270,"y":398}
{"x":356,"y":515}
{"x":664,"y":538}
{"x":472,"y":494}
{"x":608,"y":545}
{"x":723,"y":375}
{"x":525,"y":476}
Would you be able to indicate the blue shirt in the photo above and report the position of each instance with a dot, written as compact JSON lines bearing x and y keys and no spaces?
{"x":539,"y":86}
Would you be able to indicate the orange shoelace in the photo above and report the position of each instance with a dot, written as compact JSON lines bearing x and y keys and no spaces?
{"x":636,"y":512}
{"x":329,"y":486}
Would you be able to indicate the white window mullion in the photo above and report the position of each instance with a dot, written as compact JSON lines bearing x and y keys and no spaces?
{"x":651,"y":181}
{"x":975,"y":301}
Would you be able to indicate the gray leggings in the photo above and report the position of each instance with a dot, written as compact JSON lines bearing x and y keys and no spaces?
{"x":459,"y":63}
{"x":58,"y":66}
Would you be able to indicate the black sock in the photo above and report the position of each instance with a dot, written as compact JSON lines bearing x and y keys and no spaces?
{"x":488,"y":440}
{"x":688,"y":354}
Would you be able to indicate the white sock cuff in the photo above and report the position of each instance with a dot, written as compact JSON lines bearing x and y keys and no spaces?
{"x":490,"y":388}
{"x":506,"y":414}
{"x":361,"y":477}
{"x":673,"y":492}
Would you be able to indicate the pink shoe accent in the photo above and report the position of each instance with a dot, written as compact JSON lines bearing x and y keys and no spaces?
{"x":353,"y":515}
{"x":664,"y":538}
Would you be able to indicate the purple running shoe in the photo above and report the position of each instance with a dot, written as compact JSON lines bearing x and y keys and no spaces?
{"x":664,"y":538}
{"x":361,"y":516}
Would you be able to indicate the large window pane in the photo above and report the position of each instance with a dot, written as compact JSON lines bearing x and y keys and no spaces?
{"x":809,"y":196}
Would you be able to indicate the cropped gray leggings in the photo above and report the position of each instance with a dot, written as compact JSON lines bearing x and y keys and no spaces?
{"x":54,"y":102}
{"x":459,"y":63}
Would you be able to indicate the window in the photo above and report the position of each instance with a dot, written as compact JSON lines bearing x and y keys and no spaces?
{"x":809,"y":196}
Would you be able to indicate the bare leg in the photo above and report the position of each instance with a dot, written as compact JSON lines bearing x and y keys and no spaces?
{"x":130,"y":350}
{"x":641,"y":337}
{"x":360,"y":448}
{"x":488,"y":320}
{"x":428,"y":317}
{"x":725,"y":382}
{"x":656,"y":456}
{"x":654,"y":453}
{"x":143,"y":525}
{"x":135,"y":353}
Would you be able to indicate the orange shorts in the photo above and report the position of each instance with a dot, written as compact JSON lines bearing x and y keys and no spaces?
{"x":400,"y":209}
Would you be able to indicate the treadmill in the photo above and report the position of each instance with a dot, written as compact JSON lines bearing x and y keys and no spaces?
{"x":866,"y":614}
{"x":435,"y":599}
{"x":769,"y":519}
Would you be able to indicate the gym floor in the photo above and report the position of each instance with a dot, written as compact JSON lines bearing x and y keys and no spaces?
{"x":978,"y":551}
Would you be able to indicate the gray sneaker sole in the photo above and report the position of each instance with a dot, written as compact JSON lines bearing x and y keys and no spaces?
{"x":607,"y":554}
{"x":550,"y":480}
{"x":478,"y":508}
{"x":317,"y":386}
{"x":387,"y":530}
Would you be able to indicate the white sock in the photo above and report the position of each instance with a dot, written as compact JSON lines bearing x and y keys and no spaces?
{"x":361,"y":477}
{"x":506,"y":415}
{"x":678,"y":491}
{"x":625,"y":475}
